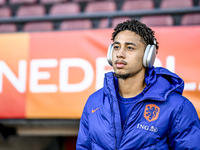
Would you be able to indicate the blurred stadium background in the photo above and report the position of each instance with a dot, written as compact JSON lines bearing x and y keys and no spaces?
{"x":53,"y":15}
{"x":18,"y":16}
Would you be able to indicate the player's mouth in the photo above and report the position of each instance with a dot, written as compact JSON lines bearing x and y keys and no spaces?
{"x":120,"y":64}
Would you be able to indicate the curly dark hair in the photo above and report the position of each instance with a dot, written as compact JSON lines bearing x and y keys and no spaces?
{"x":139,"y":28}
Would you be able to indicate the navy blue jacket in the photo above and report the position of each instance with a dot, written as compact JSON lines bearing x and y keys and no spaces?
{"x":163,"y":119}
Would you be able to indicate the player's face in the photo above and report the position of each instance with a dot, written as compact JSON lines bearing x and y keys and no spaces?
{"x":128,"y":51}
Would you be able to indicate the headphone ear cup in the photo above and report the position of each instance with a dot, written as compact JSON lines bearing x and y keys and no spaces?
{"x":149,"y":56}
{"x":145,"y":55}
{"x":109,"y":54}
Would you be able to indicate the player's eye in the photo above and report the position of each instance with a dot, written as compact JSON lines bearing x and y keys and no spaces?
{"x":116,"y":47}
{"x":130,"y":48}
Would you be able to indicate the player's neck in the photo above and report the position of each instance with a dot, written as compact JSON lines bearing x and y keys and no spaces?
{"x":131,"y":86}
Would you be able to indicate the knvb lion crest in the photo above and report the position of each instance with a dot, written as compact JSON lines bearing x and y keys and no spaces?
{"x":151,"y":112}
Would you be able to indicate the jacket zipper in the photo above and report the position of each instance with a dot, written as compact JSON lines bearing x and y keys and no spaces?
{"x":115,"y":146}
{"x":114,"y":126}
{"x":127,"y":118}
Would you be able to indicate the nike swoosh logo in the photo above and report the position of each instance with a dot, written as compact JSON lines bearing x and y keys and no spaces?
{"x":95,"y":110}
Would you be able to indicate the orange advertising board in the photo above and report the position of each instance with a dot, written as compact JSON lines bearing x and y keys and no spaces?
{"x":13,"y":48}
{"x":51,"y":74}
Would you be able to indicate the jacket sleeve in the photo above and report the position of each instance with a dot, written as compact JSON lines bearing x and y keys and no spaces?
{"x":83,"y":140}
{"x":185,"y":131}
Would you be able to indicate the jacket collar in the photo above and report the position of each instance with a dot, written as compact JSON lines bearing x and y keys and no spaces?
{"x":159,"y":83}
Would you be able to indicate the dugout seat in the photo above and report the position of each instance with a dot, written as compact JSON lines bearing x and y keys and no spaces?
{"x":161,"y":20}
{"x":5,"y":12}
{"x":100,"y":6}
{"x":191,"y":19}
{"x":38,"y":26}
{"x":104,"y":23}
{"x":137,"y":5}
{"x":83,"y":0}
{"x":22,"y":1}
{"x":117,"y":20}
{"x":2,"y":2}
{"x":31,"y":10}
{"x":52,"y":1}
{"x":65,"y":8}
{"x":165,"y":4}
{"x":8,"y":27}
{"x":76,"y":24}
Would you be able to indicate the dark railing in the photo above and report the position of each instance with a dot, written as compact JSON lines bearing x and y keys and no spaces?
{"x":138,"y":13}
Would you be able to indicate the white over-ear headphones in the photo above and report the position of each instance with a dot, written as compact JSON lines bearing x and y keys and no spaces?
{"x":148,"y":58}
